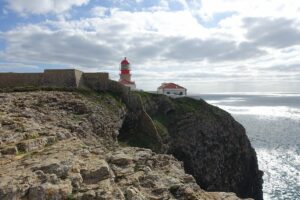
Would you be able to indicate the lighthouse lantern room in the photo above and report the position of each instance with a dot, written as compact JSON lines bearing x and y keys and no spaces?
{"x":125,"y":75}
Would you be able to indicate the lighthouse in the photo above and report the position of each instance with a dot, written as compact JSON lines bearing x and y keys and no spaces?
{"x":125,"y":75}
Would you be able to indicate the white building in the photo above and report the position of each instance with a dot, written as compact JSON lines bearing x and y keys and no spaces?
{"x":171,"y":89}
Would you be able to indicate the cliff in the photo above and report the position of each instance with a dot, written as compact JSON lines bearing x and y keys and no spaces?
{"x":62,"y":145}
{"x":212,"y":145}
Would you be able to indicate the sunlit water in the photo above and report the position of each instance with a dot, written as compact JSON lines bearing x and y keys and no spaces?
{"x":272,"y":122}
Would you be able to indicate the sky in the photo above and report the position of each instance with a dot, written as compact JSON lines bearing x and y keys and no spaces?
{"x":207,"y":46}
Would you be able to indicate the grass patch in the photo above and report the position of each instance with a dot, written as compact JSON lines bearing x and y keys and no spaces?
{"x":146,"y":95}
{"x":186,"y":104}
{"x":162,"y":119}
{"x":161,"y":129}
{"x":21,"y":153}
{"x":32,"y":135}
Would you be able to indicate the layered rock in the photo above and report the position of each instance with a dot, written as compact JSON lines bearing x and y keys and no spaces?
{"x":212,"y":145}
{"x":61,"y":145}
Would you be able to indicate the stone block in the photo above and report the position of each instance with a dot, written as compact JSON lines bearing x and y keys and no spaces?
{"x":96,"y":173}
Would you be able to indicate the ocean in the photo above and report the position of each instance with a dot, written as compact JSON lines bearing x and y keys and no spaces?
{"x":272,"y":123}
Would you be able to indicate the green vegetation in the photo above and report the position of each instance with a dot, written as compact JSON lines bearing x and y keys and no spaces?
{"x":140,"y":139}
{"x":145,"y":95}
{"x":161,"y":129}
{"x":110,"y":101}
{"x":186,"y":104}
{"x":142,"y":93}
{"x":32,"y":135}
{"x":21,"y":152}
{"x":162,"y":119}
{"x":71,"y":197}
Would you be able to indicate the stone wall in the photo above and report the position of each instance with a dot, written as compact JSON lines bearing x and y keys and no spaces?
{"x":96,"y":81}
{"x":61,"y":78}
{"x":8,"y":80}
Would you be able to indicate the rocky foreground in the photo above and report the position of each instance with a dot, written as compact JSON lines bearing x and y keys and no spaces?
{"x":62,"y":145}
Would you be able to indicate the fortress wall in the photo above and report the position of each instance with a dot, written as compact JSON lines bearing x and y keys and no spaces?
{"x":20,"y":79}
{"x":96,"y":81}
{"x":60,"y":78}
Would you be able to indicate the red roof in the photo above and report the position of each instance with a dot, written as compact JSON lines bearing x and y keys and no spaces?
{"x":124,"y":62}
{"x":170,"y":86}
{"x":126,"y":82}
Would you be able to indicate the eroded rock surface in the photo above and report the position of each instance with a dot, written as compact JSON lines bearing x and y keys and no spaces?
{"x":61,"y":145}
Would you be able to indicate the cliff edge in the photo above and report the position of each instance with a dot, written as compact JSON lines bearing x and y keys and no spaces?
{"x":212,"y":145}
{"x":62,"y":145}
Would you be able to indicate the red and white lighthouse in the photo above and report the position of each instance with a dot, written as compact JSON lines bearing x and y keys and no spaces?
{"x":125,"y":75}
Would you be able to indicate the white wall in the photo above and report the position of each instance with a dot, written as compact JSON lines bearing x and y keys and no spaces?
{"x":132,"y":86}
{"x":172,"y":91}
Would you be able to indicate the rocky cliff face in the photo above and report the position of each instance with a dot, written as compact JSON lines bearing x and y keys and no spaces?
{"x":213,"y":146}
{"x":61,"y":145}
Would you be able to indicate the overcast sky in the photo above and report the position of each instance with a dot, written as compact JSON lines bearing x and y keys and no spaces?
{"x":204,"y":45}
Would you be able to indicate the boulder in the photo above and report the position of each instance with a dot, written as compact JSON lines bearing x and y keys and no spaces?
{"x":12,"y":150}
{"x":120,"y":159}
{"x":94,"y":174}
{"x":58,"y":169}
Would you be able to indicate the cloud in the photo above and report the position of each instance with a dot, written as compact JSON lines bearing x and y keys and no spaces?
{"x":253,"y":8}
{"x":24,"y":7}
{"x":99,"y":11}
{"x":213,"y":50}
{"x":39,"y":44}
{"x":16,"y":67}
{"x":285,"y":68}
{"x":274,"y":33}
